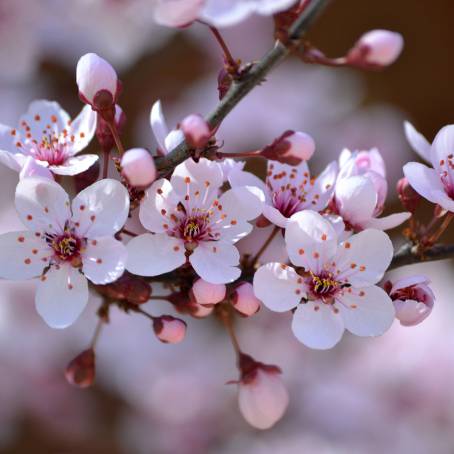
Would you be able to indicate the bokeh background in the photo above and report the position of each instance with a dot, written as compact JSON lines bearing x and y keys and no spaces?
{"x":392,"y":394}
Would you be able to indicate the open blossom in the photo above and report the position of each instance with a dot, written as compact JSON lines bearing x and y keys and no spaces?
{"x":221,"y":13}
{"x":413,"y":299}
{"x":47,"y":141}
{"x":65,"y":244}
{"x":434,"y":184}
{"x":332,"y":286}
{"x":189,"y":221}
{"x":167,"y":140}
{"x":290,"y":189}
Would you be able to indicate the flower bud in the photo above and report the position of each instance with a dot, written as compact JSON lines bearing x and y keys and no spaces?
{"x":137,"y":166}
{"x":244,"y":299}
{"x":97,"y":81}
{"x":262,"y":396}
{"x":81,"y":370}
{"x":168,"y":329}
{"x":290,"y":148}
{"x":409,"y":198}
{"x":413,"y":299}
{"x":207,"y":293}
{"x":200,"y":311}
{"x":377,"y":47}
{"x":196,"y":131}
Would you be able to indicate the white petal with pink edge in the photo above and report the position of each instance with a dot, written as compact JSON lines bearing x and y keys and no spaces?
{"x":424,"y":181}
{"x":101,"y":209}
{"x":442,"y":147}
{"x":417,"y":141}
{"x":61,"y":296}
{"x":216,"y":262}
{"x":151,"y":255}
{"x":278,"y":286}
{"x":75,"y":165}
{"x":317,"y":325}
{"x":366,"y":312}
{"x":311,"y":240}
{"x":104,"y":260}
{"x":82,"y":129}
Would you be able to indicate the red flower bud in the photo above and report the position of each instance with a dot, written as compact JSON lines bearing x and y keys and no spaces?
{"x":81,"y":370}
{"x":409,"y":198}
{"x":168,"y":329}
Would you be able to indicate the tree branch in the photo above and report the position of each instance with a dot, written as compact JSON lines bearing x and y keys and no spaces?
{"x":408,"y":254}
{"x":240,"y":88}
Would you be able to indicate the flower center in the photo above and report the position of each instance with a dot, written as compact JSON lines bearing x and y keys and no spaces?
{"x":195,"y":228}
{"x":447,"y":175}
{"x":323,"y":286}
{"x":67,"y":247}
{"x":50,"y":151}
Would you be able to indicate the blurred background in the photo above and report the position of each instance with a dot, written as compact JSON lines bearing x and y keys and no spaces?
{"x":391,"y":394}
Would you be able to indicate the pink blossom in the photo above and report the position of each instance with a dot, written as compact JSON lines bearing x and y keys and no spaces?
{"x":206,"y":293}
{"x":244,"y":300}
{"x":137,"y":166}
{"x":168,"y":329}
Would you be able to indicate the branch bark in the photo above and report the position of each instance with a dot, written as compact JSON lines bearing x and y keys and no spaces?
{"x":408,"y":254}
{"x":239,"y":89}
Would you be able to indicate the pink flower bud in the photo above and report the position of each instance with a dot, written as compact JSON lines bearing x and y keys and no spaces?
{"x":409,"y":198}
{"x":169,"y":330}
{"x":413,"y":299}
{"x":262,"y":396}
{"x":196,"y":131}
{"x":81,"y":370}
{"x":377,"y":47}
{"x":201,"y":311}
{"x":137,"y":166}
{"x":290,"y":148}
{"x":244,"y":299}
{"x":206,"y":293}
{"x":95,"y":76}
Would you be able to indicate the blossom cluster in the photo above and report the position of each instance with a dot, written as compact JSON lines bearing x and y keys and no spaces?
{"x":196,"y":214}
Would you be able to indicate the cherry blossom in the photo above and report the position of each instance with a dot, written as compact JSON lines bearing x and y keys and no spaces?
{"x":167,"y":140}
{"x":332,"y":286}
{"x":413,"y":299}
{"x":65,"y":245}
{"x":434,"y":184}
{"x":47,"y":141}
{"x":189,"y":221}
{"x":289,"y":189}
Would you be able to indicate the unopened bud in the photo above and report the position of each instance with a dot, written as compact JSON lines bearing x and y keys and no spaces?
{"x":409,"y":198}
{"x":205,"y":293}
{"x":196,"y":131}
{"x":81,"y":370}
{"x":244,"y":299}
{"x":377,"y":48}
{"x":290,"y":148}
{"x":168,"y":329}
{"x":97,"y":81}
{"x":137,"y":166}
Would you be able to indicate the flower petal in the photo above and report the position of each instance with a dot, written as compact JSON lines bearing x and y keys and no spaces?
{"x":101,"y":209}
{"x":242,"y":203}
{"x":14,"y":161}
{"x":442,"y":147}
{"x":364,"y":257}
{"x":42,"y":204}
{"x":317,"y":325}
{"x":75,"y":165}
{"x":104,"y":260}
{"x":173,"y":139}
{"x":238,"y":177}
{"x":369,"y":312}
{"x":61,"y":296}
{"x":311,"y":240}
{"x":216,"y":262}
{"x":9,"y":138}
{"x":323,"y":187}
{"x":151,"y":255}
{"x":275,"y":216}
{"x":417,"y":141}
{"x":424,"y":181}
{"x":33,"y":168}
{"x":278,"y":286}
{"x":159,"y":125}
{"x":83,"y":129}
{"x":387,"y":222}
{"x":23,"y":255}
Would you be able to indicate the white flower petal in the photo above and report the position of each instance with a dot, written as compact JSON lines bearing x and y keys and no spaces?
{"x":238,"y":177}
{"x":83,"y":129}
{"x":368,"y":312}
{"x":364,"y":257}
{"x":417,"y":141}
{"x":173,"y":139}
{"x":75,"y":165}
{"x":34,"y":168}
{"x":176,"y":13}
{"x":275,"y":216}
{"x":14,"y":161}
{"x":424,"y":180}
{"x":216,"y":262}
{"x":42,"y":204}
{"x":151,"y":255}
{"x":323,"y":187}
{"x":61,"y":296}
{"x":101,"y":209}
{"x":442,"y":147}
{"x":159,"y":125}
{"x":242,"y":203}
{"x":233,"y":233}
{"x":311,"y":240}
{"x":317,"y":325}
{"x":23,"y":255}
{"x":387,"y":222}
{"x":8,"y":139}
{"x":104,"y":260}
{"x":159,"y":203}
{"x":278,"y":286}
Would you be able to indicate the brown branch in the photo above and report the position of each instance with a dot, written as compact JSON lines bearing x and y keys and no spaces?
{"x":408,"y":254}
{"x":240,"y":88}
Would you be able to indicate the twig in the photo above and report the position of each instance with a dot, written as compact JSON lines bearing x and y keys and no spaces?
{"x":240,"y":88}
{"x":265,"y":245}
{"x":409,"y":254}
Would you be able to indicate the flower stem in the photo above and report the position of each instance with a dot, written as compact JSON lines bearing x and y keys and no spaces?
{"x":226,"y":318}
{"x":232,"y":65}
{"x":444,"y":225}
{"x":116,"y":137}
{"x":97,"y":333}
{"x":129,"y":233}
{"x":264,"y":246}
{"x":246,"y":154}
{"x":105,"y":169}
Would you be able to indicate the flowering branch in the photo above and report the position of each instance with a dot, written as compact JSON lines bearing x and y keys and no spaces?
{"x":240,"y":88}
{"x":408,"y":254}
